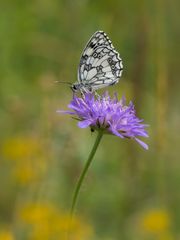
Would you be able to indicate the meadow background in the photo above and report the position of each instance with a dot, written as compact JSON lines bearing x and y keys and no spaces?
{"x":129,"y":193}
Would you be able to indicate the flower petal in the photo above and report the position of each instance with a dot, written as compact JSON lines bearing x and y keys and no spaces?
{"x":114,"y":131}
{"x":144,"y":145}
{"x":84,"y":123}
{"x":66,"y":112}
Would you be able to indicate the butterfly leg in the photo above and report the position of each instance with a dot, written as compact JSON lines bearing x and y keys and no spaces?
{"x":82,"y":93}
{"x":97,"y":95}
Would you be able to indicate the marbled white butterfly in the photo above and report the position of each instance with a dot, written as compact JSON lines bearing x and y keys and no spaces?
{"x":100,"y":65}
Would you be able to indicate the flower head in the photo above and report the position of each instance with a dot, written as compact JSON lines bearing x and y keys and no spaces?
{"x":110,"y":115}
{"x":155,"y":221}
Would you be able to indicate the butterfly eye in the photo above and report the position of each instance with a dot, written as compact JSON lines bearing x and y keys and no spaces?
{"x":94,"y":54}
{"x":74,"y":87}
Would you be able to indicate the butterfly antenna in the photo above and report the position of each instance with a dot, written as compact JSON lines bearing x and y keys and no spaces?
{"x":68,"y":83}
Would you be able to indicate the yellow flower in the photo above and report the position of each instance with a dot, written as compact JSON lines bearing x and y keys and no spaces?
{"x":34,"y":214}
{"x":20,"y":148}
{"x":155,"y":221}
{"x":6,"y":235}
{"x":29,"y":171}
{"x":47,"y":222}
{"x":27,"y":158}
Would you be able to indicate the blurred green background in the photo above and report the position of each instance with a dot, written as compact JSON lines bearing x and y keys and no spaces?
{"x":129,"y":193}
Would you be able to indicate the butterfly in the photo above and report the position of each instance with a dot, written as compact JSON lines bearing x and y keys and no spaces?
{"x":100,"y":65}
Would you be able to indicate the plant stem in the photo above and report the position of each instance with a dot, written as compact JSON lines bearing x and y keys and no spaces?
{"x":81,"y":178}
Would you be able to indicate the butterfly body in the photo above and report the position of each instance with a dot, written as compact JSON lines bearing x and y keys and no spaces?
{"x":81,"y":87}
{"x":100,"y":65}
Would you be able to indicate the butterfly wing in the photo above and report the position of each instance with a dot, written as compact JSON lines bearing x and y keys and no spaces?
{"x":100,"y":64}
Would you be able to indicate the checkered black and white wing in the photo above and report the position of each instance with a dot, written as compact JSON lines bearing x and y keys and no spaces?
{"x":100,"y":63}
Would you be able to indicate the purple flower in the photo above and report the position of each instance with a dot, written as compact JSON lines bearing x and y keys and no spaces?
{"x":110,"y":115}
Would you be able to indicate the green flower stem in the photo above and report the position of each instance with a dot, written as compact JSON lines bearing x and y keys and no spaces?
{"x":81,"y":178}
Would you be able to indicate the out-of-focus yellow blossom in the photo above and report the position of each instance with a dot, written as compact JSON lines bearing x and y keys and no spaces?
{"x":47,"y":222}
{"x":155,"y":221}
{"x":30,"y":170}
{"x":27,"y":158}
{"x":35,"y":213}
{"x":155,"y":224}
{"x":6,"y":235}
{"x":20,"y":148}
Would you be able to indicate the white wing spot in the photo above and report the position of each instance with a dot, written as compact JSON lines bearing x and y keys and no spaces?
{"x":91,"y":73}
